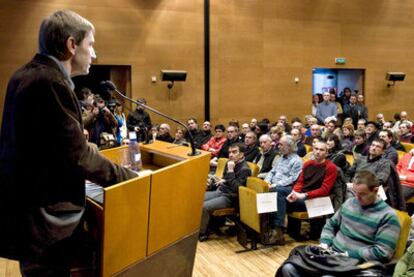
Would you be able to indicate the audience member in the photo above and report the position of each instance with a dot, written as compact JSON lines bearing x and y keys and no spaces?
{"x":297,"y":137}
{"x":390,"y":153}
{"x":179,"y":137}
{"x":205,"y":134}
{"x":316,"y":99}
{"x":251,"y":149}
{"x":139,"y":120}
{"x":164,"y":133}
{"x":405,"y":169}
{"x":281,"y":179}
{"x":405,"y":132}
{"x":362,"y":109}
{"x":361,"y":124}
{"x":244,"y":129}
{"x":121,"y":129}
{"x":315,"y":133}
{"x":335,"y":152}
{"x":371,"y":131}
{"x":347,"y":137}
{"x":276,"y":133}
{"x":227,"y":192}
{"x":232,"y":137}
{"x":284,"y":121}
{"x":316,"y":180}
{"x":104,"y":122}
{"x":216,"y":142}
{"x":360,"y":147}
{"x":365,"y":228}
{"x":325,"y":109}
{"x":267,"y":157}
{"x":380,"y":120}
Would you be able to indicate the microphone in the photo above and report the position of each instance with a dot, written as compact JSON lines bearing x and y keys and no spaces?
{"x":110,"y":86}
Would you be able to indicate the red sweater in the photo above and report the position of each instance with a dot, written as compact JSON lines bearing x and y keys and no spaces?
{"x":316,"y":179}
{"x":215,"y":144}
{"x":402,"y":168}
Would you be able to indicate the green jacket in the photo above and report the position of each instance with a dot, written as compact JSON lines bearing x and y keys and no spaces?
{"x":405,"y":266}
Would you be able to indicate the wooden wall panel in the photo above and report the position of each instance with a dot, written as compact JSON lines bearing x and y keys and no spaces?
{"x":299,"y":35}
{"x":257,"y":49}
{"x":147,"y":35}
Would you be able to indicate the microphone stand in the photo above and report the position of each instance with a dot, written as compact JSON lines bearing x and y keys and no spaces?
{"x":193,"y":152}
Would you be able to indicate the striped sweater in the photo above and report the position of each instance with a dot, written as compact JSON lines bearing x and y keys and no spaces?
{"x":366,"y":233}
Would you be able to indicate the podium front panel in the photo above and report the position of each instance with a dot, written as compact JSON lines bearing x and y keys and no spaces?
{"x":177,"y":196}
{"x":125,"y":223}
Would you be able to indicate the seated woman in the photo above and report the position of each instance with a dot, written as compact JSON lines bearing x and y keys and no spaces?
{"x":405,"y":169}
{"x":179,"y":137}
{"x":335,"y":152}
{"x":347,"y":137}
{"x":360,"y":147}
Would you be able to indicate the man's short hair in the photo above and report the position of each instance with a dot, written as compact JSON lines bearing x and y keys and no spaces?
{"x":265,"y":136}
{"x":366,"y":177}
{"x":57,"y":28}
{"x":239,"y":145}
{"x":193,"y":119}
{"x":253,"y":135}
{"x":390,"y":134}
{"x":379,"y":140}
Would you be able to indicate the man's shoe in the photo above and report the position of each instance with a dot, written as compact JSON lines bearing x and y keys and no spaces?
{"x":277,"y":237}
{"x":202,"y":237}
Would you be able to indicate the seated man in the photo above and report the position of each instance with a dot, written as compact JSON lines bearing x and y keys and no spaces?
{"x":251,"y":149}
{"x":315,"y":132}
{"x":227,"y":193}
{"x":365,"y":228}
{"x":280,"y":179}
{"x":164,"y":133}
{"x":390,"y":152}
{"x":267,"y":157}
{"x":374,"y":162}
{"x":316,"y":180}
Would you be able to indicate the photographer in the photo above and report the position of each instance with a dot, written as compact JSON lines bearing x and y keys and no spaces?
{"x":105,"y":121}
{"x":139,"y":120}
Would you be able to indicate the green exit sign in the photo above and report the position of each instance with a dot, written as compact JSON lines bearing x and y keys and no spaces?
{"x":340,"y":60}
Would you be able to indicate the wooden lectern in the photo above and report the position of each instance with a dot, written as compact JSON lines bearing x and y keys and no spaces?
{"x":148,"y":226}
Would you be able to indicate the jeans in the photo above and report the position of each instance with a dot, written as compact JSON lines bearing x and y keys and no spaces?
{"x":213,"y":200}
{"x":277,"y":219}
{"x":289,"y":270}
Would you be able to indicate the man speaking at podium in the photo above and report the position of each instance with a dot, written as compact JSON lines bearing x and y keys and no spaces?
{"x":44,"y":157}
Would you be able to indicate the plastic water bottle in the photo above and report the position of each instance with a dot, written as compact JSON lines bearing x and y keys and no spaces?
{"x":134,"y":152}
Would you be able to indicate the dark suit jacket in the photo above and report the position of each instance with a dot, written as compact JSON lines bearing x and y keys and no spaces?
{"x":44,"y":161}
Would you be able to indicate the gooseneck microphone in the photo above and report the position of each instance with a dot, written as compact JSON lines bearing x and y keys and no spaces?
{"x":111,"y":86}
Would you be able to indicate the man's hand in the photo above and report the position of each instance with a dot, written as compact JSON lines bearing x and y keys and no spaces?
{"x":230,"y":166}
{"x":295,"y":196}
{"x":220,"y":182}
{"x":136,"y":129}
{"x":213,"y":162}
{"x":403,"y":177}
{"x":324,"y":246}
{"x":95,"y":110}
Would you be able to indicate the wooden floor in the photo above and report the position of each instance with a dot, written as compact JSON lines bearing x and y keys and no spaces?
{"x":218,"y":257}
{"x":215,"y":257}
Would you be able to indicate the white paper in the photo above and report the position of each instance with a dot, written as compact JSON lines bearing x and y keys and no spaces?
{"x":319,"y":206}
{"x":266,"y":202}
{"x":381,"y":193}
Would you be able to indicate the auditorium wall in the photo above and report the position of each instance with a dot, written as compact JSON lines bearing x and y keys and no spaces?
{"x":257,"y":49}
